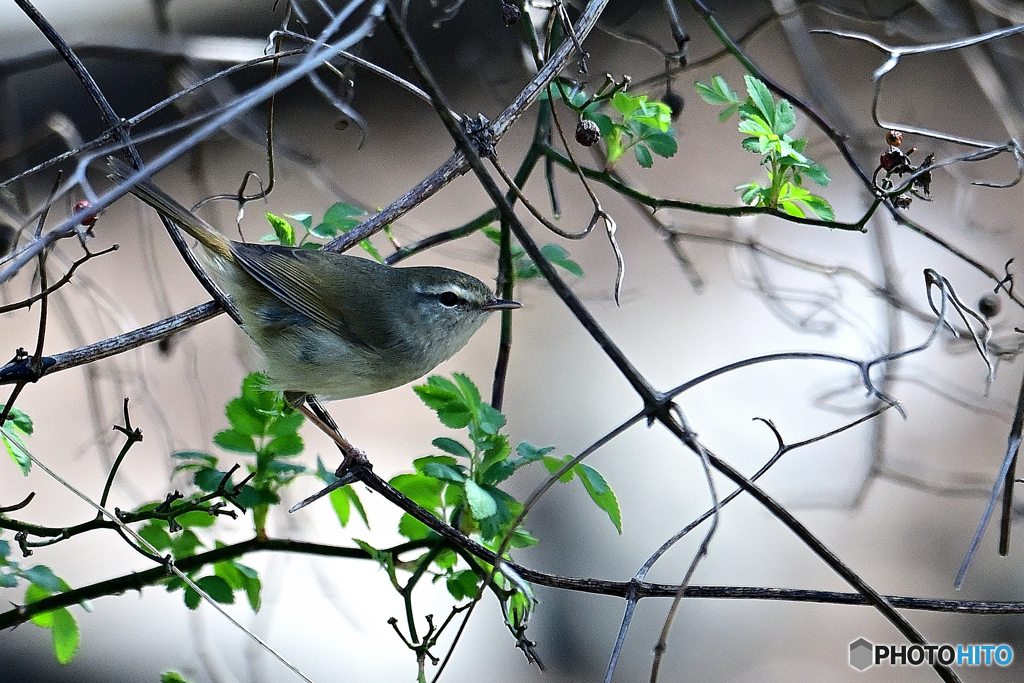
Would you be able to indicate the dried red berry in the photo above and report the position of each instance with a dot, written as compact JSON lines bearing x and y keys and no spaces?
{"x":89,"y":220}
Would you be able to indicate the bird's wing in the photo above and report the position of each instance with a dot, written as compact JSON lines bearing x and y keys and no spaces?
{"x":288,"y":274}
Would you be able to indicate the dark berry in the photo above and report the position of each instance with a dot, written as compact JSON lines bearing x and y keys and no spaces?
{"x":673,"y":101}
{"x":587,"y":133}
{"x":510,"y":13}
{"x":989,"y":305}
{"x":902,"y":202}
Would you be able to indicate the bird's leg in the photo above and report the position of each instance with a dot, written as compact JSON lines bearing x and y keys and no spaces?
{"x":354,"y":460}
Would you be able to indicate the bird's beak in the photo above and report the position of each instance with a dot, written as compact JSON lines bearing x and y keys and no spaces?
{"x":500,"y":305}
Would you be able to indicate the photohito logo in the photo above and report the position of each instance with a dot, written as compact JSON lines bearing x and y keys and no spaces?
{"x":864,"y":654}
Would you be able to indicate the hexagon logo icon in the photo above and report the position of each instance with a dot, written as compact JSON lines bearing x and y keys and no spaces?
{"x":860,"y":654}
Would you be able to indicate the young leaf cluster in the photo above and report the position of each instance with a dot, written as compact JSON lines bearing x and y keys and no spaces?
{"x":338,"y":219}
{"x":461,"y":483}
{"x":265,"y":427}
{"x":626,"y":122}
{"x":523,"y":267}
{"x":42,"y":583}
{"x":767,"y":124}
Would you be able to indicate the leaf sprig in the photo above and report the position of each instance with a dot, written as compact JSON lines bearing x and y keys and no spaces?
{"x":626,"y":122}
{"x":768,"y":123}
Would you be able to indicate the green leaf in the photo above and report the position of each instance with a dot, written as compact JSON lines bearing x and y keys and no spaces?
{"x":654,"y":115}
{"x":185,"y":544}
{"x":36,"y":593}
{"x":559,"y":257}
{"x":453,"y":473}
{"x":282,"y":229}
{"x":342,"y":212}
{"x":463,"y":584}
{"x":288,"y":423}
{"x":326,"y":231}
{"x":196,"y":456}
{"x":521,"y":538}
{"x":491,"y":420}
{"x":818,"y":174}
{"x":65,"y":635}
{"x":785,"y":117}
{"x":751,"y":145}
{"x":341,"y":218}
{"x":577,"y":96}
{"x":305,"y":219}
{"x":718,"y":92}
{"x":413,"y":529}
{"x":790,"y":207}
{"x":727,"y":113}
{"x":480,"y":501}
{"x":208,"y":479}
{"x":442,"y":396}
{"x":787,"y":150}
{"x":820,"y":207}
{"x":762,"y":98}
{"x":244,"y":418}
{"x":249,"y":497}
{"x":505,"y":507}
{"x":214,"y":586}
{"x":529,"y":453}
{"x":369,"y":248}
{"x":173,"y":677}
{"x":601,"y":493}
{"x":604,"y":124}
{"x":446,"y":559}
{"x":423,"y":490}
{"x":42,"y":576}
{"x":255,"y":390}
{"x":341,"y":505}
{"x":451,"y":446}
{"x":232,"y":440}
{"x":285,"y":471}
{"x":16,"y":449}
{"x":156,"y":536}
{"x":495,"y":453}
{"x":751,"y":193}
{"x":468,"y":391}
{"x":555,"y":464}
{"x":20,"y":419}
{"x":625,"y":104}
{"x":662,"y":144}
{"x":196,"y":518}
{"x":286,"y":445}
{"x":614,"y":144}
{"x":755,"y":125}
{"x":497,"y":472}
{"x":353,"y":498}
{"x":643,"y":156}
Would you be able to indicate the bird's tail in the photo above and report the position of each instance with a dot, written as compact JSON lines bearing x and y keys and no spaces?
{"x":170,"y":208}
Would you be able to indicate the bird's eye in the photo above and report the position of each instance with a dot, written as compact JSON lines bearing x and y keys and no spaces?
{"x":449,"y":299}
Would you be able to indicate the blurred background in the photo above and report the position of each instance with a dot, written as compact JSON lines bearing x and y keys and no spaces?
{"x":897,"y":499}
